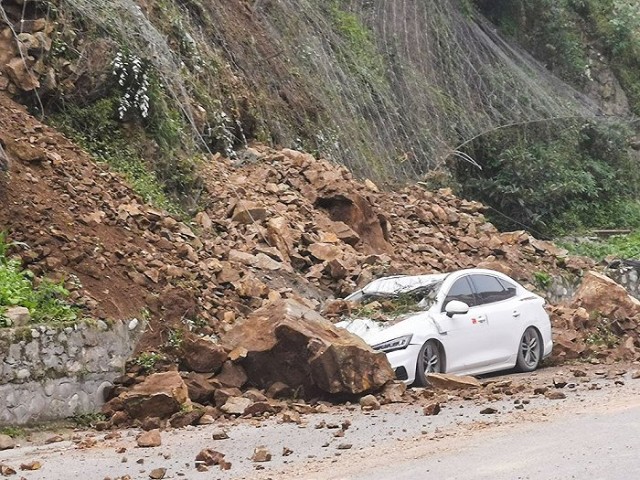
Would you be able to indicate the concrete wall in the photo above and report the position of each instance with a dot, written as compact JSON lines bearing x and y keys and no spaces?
{"x":49,"y":372}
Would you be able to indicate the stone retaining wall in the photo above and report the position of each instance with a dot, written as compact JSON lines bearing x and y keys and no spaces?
{"x":562,"y":288}
{"x":49,"y":372}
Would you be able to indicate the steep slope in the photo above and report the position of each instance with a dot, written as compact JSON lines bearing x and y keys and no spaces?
{"x":277,"y":224}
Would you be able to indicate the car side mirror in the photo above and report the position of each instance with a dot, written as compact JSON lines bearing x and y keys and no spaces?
{"x":455,"y":307}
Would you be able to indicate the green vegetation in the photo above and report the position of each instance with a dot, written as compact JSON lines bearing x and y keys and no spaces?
{"x":175,"y":338}
{"x":619,"y":246}
{"x":13,"y":432}
{"x":561,"y":32}
{"x":88,"y":420}
{"x":44,"y":299}
{"x":147,"y":360}
{"x":555,"y":178}
{"x":96,"y":128}
{"x":542,"y":280}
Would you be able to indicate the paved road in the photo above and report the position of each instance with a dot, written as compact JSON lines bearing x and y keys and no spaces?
{"x":599,"y":444}
{"x":591,"y":434}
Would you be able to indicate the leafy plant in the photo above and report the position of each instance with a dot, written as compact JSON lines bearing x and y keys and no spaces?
{"x":175,"y":338}
{"x":542,"y":280}
{"x":147,"y":360}
{"x":45,"y":301}
{"x":88,"y":420}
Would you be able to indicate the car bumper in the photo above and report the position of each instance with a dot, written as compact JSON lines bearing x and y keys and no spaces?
{"x":404,"y":362}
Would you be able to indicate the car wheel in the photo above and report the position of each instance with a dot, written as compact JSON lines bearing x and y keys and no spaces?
{"x":430,"y":360}
{"x":529,"y":351}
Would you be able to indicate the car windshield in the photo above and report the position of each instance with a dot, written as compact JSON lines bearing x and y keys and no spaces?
{"x":401,"y":293}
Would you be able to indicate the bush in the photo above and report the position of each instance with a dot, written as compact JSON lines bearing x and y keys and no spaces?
{"x":555,"y":181}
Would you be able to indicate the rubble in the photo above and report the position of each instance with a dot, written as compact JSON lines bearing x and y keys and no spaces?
{"x":452,"y":382}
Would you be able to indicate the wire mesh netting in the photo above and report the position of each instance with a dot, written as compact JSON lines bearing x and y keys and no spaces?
{"x":396,"y":85}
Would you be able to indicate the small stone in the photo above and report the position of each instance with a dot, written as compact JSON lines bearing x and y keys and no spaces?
{"x":286,"y":451}
{"x":488,"y":411}
{"x":579,"y":373}
{"x":149,"y":439}
{"x":19,"y":316}
{"x":54,"y":439}
{"x":219,"y":435}
{"x":206,"y":419}
{"x":210,"y":457}
{"x":6,"y":470}
{"x":555,"y":395}
{"x":261,"y":454}
{"x":158,"y":473}
{"x":32,"y":465}
{"x":344,"y":446}
{"x":369,"y":402}
{"x":540,"y":390}
{"x":635,"y":374}
{"x":432,"y":409}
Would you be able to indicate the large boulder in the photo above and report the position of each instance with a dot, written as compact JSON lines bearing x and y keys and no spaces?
{"x":160,"y":395}
{"x":600,"y":294}
{"x":287,"y":342}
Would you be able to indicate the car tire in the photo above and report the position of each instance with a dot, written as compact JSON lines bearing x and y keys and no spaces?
{"x":529,"y":351}
{"x":430,"y":360}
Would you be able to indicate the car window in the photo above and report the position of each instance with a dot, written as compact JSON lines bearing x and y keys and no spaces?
{"x":489,"y":289}
{"x":509,"y":287}
{"x":461,"y":290}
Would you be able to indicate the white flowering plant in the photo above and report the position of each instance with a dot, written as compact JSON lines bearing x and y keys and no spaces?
{"x":133,"y":76}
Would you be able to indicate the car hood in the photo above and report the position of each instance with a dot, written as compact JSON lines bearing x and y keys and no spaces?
{"x":374,"y":332}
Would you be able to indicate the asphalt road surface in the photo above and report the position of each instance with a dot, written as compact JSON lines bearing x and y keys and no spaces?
{"x":592,"y":434}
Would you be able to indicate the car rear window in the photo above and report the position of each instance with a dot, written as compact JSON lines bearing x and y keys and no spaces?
{"x":490,"y":289}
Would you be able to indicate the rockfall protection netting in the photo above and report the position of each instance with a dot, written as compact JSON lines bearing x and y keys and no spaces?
{"x":397,"y":85}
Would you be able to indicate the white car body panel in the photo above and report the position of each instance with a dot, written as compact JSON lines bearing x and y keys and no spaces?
{"x":483,"y":340}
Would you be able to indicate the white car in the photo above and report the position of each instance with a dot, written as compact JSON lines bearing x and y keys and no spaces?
{"x":467,"y":322}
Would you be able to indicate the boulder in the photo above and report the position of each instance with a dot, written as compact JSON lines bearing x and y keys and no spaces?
{"x":600,"y":294}
{"x":21,"y":75}
{"x":6,"y":442}
{"x":452,"y":382}
{"x":288,"y":342}
{"x":202,"y":355}
{"x":160,"y":395}
{"x":200,"y":388}
{"x":232,"y":375}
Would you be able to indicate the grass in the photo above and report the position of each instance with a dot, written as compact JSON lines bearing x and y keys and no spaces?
{"x":619,"y":246}
{"x":45,"y":300}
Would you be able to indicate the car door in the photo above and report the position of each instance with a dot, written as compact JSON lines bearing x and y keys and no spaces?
{"x":464,"y":336}
{"x":499,"y":310}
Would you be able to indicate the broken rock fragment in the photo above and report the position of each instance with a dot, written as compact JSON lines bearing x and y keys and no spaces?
{"x":149,"y":439}
{"x":452,"y":382}
{"x":261,"y":454}
{"x":160,"y":395}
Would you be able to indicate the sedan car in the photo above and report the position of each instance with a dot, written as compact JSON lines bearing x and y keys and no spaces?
{"x":467,"y":322}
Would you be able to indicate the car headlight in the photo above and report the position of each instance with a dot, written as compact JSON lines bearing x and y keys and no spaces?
{"x":394,"y":344}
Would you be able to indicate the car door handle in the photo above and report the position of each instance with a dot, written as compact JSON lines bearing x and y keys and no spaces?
{"x":516,"y":314}
{"x":482,"y":319}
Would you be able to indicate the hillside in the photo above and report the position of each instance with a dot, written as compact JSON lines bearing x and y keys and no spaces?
{"x":395,"y":91}
{"x":149,"y":168}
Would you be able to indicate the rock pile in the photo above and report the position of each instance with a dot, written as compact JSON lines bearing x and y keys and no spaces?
{"x":25,"y":40}
{"x":602,"y":322}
